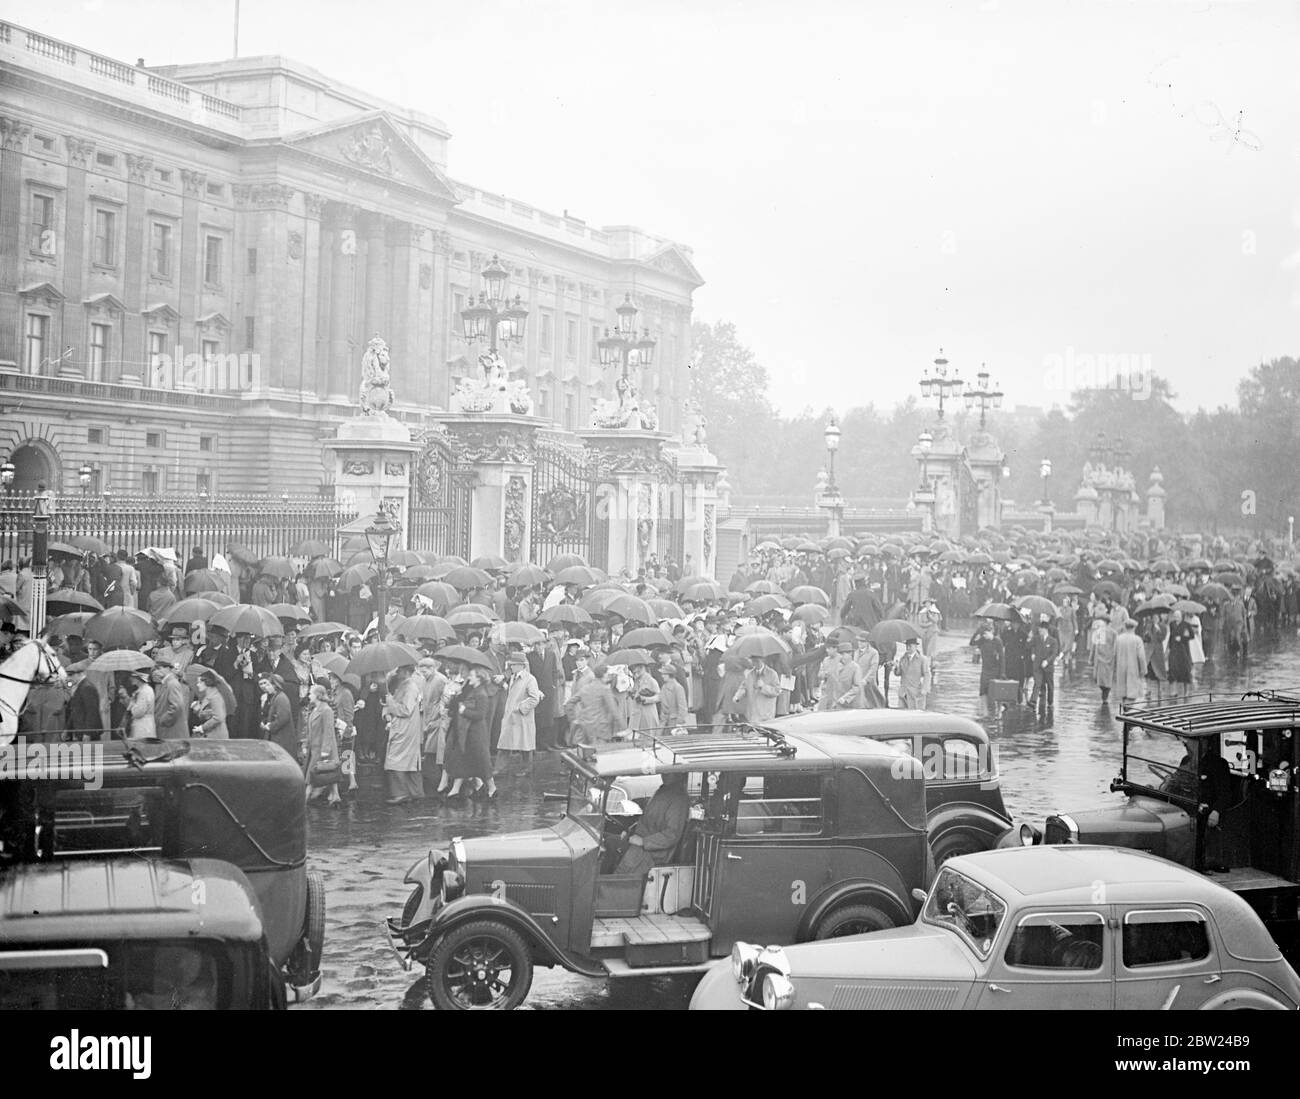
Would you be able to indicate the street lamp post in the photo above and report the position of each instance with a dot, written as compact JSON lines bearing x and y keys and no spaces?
{"x":828,"y":492}
{"x":1045,"y":471}
{"x":7,"y":473}
{"x":941,"y":385}
{"x":84,"y":475}
{"x":832,"y":437}
{"x":924,"y":442}
{"x":379,"y":537}
{"x":495,"y":317}
{"x":924,"y":496}
{"x":623,"y":348}
{"x":42,"y":513}
{"x":985,"y":394}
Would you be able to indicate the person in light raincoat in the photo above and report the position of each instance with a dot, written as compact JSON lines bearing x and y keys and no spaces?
{"x":403,"y":756}
{"x":518,"y":721}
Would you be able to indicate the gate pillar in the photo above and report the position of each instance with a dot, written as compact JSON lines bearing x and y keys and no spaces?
{"x":501,"y":450}
{"x":699,"y":471}
{"x":630,"y":465}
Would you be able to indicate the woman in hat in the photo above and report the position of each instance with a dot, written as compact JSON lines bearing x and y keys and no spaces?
{"x":518,"y":723}
{"x":139,"y":708}
{"x":277,"y":714}
{"x":468,"y":752}
{"x":403,"y":757}
{"x":644,"y":698}
{"x":322,"y":741}
{"x":210,"y":708}
{"x":1101,"y":651}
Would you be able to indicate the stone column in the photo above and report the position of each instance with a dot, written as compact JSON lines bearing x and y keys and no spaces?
{"x":501,"y":448}
{"x":342,"y":243}
{"x":634,"y":464}
{"x":377,"y":292}
{"x":13,"y":140}
{"x":1156,"y":499}
{"x":310,"y":377}
{"x":189,"y":304}
{"x":134,"y":274}
{"x":699,"y":471}
{"x":437,"y":302}
{"x":72,"y":248}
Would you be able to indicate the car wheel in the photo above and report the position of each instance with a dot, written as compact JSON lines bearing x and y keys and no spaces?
{"x":480,"y":965}
{"x":304,"y":962}
{"x":952,"y":844}
{"x":853,"y":919}
{"x":412,"y":905}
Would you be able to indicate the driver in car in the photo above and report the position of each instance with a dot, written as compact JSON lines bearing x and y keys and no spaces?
{"x":656,"y":835}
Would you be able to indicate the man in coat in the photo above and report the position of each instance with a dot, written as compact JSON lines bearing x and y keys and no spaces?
{"x":592,"y":712}
{"x":236,"y":665}
{"x":171,"y":702}
{"x":518,"y":724}
{"x":758,"y":691}
{"x":1043,"y":651}
{"x":841,"y":680}
{"x":546,"y":665}
{"x":656,"y":835}
{"x":1130,"y":663}
{"x":913,"y":671}
{"x":862,"y":608}
{"x":1101,"y":649}
{"x":276,"y":661}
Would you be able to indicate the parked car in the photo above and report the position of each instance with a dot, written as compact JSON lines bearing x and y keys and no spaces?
{"x":1033,"y":928}
{"x":963,"y":791}
{"x":133,"y":934}
{"x":1210,"y":785}
{"x":240,"y":801}
{"x":788,"y":838}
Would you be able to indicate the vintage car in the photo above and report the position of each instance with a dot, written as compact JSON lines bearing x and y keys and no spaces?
{"x":963,"y":792}
{"x":788,"y":837}
{"x":1033,"y":928}
{"x":133,"y":934}
{"x":240,"y":801}
{"x":1211,"y":785}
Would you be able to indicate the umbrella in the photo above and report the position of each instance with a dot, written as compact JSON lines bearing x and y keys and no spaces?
{"x":1037,"y":606}
{"x":469,"y":617}
{"x":1199,"y":564}
{"x":120,"y":628}
{"x":766,"y":604}
{"x":807,"y":593}
{"x":577,"y":574}
{"x":808,"y":547}
{"x":1189,"y":606}
{"x":1109,"y":565}
{"x":763,"y":587}
{"x":70,"y":625}
{"x":706,"y":591}
{"x":526,"y":576}
{"x":216,"y":598}
{"x":356,"y":575}
{"x":1228,"y":579}
{"x":1151,"y":607}
{"x":811,"y":612}
{"x":66,"y":601}
{"x":404,"y":559}
{"x":1001,"y":611}
{"x":323,"y":568}
{"x":309,"y":547}
{"x":466,"y":578}
{"x":189,"y":611}
{"x":426,"y":627}
{"x":762,"y":643}
{"x":420,"y":572}
{"x":632,"y":609}
{"x":290,"y":612}
{"x":191,"y":675}
{"x":323,"y":629}
{"x":1106,"y":587}
{"x":892,"y":630}
{"x":383,"y":656}
{"x":490,"y":563}
{"x":1179,"y":590}
{"x":201,"y":580}
{"x":630,"y":657}
{"x":768,"y":547}
{"x":686,"y":581}
{"x":332,"y":662}
{"x":952,"y":556}
{"x":521,"y":633}
{"x":279,"y":567}
{"x":90,"y":544}
{"x":64,"y":550}
{"x":442,"y":595}
{"x":979,"y":558}
{"x":122,"y":660}
{"x":837,"y":554}
{"x":1212,"y":593}
{"x":1066,"y":589}
{"x":839,"y":542}
{"x":563,"y":561}
{"x":665,"y":608}
{"x":1163,"y":565}
{"x":646,"y":637}
{"x":247,"y":618}
{"x":1057,"y":574}
{"x":465,"y":654}
{"x":565,"y":614}
{"x":241,"y":553}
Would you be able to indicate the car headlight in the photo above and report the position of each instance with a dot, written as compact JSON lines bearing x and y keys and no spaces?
{"x":1028,"y":835}
{"x":453,"y":885}
{"x":778,"y":992}
{"x":1071,"y":828}
{"x":744,"y":957}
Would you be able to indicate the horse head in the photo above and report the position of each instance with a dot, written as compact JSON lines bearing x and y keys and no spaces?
{"x":31,"y":663}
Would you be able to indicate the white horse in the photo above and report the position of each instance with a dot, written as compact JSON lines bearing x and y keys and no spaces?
{"x":33,"y":662}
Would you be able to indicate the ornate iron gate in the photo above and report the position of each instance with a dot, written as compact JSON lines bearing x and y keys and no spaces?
{"x":968,"y":499}
{"x":565,"y":504}
{"x":671,"y":525}
{"x":441,"y":496}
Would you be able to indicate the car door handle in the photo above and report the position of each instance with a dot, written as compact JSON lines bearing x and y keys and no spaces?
{"x":997,"y":988}
{"x":1213,"y":979}
{"x":736,"y":857}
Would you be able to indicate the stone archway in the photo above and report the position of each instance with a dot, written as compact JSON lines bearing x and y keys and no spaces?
{"x":34,"y":464}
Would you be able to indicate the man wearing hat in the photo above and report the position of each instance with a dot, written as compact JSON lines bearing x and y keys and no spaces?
{"x":178,"y":651}
{"x":841,"y":679}
{"x":1130,"y":663}
{"x":518,"y":724}
{"x":1101,"y":653}
{"x":913,"y":671}
{"x":1043,"y":651}
{"x":929,"y":622}
{"x":171,"y":700}
{"x":593,"y":715}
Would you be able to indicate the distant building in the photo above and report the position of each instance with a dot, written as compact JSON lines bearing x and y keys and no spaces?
{"x":193,"y":258}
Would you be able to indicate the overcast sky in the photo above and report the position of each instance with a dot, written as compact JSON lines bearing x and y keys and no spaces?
{"x":1024,"y":182}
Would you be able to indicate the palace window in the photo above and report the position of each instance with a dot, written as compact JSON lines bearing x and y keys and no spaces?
{"x":98,"y":353}
{"x":153,"y":439}
{"x":160,"y":250}
{"x":150,"y":482}
{"x":252,"y":261}
{"x":203,"y":482}
{"x":216,"y":190}
{"x":158,"y":361}
{"x":546,"y":337}
{"x":571,"y":411}
{"x":595,"y":343}
{"x":205,"y":443}
{"x":37,"y":337}
{"x":42,"y":240}
{"x":105,"y":253}
{"x":571,"y":337}
{"x":250,"y":332}
{"x":163,"y":175}
{"x":95,"y":436}
{"x":212,"y":261}
{"x":106,"y":160}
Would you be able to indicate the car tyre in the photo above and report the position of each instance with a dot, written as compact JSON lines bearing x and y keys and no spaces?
{"x":853,"y":919}
{"x":952,"y":844}
{"x":466,"y":965}
{"x":304,"y":962}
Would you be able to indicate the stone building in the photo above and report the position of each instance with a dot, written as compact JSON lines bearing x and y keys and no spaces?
{"x":193,"y":258}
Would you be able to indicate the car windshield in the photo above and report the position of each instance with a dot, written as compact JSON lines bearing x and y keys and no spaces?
{"x":151,"y":976}
{"x":586,"y":803}
{"x":966,"y":907}
{"x":1161,"y":761}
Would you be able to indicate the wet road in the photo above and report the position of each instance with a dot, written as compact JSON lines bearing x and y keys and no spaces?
{"x":365,"y":848}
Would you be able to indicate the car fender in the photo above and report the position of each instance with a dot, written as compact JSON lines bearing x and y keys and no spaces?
{"x":852,"y":891}
{"x":969,"y":816}
{"x":1243,"y":999}
{"x":479,"y":906}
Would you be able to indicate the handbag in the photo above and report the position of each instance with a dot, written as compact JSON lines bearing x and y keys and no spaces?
{"x":325,"y":772}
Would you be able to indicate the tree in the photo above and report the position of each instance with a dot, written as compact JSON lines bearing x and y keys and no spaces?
{"x":1268,"y":399}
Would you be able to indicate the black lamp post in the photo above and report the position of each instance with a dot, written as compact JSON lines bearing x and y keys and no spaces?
{"x":617,"y":349}
{"x":832,"y":437}
{"x":379,"y":537}
{"x":985,"y":394}
{"x":941,"y":385}
{"x":7,"y":474}
{"x":42,"y":513}
{"x":495,"y":318}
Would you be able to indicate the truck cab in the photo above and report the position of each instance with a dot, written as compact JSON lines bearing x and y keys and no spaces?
{"x":780,"y":838}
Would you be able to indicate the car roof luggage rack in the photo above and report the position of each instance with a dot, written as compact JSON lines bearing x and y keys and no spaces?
{"x":1254,"y":710}
{"x":731,"y":742}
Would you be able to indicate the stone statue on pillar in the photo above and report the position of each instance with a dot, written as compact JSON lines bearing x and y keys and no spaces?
{"x":376,"y":390}
{"x":492,"y":390}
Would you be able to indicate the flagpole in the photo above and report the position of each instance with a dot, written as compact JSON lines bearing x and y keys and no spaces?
{"x":236,"y":53}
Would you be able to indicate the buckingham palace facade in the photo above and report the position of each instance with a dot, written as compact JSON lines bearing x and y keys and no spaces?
{"x":193,"y":258}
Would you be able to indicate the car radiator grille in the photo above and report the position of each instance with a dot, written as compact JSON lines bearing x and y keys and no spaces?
{"x":1055,"y":831}
{"x":905,"y":997}
{"x":537,"y":899}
